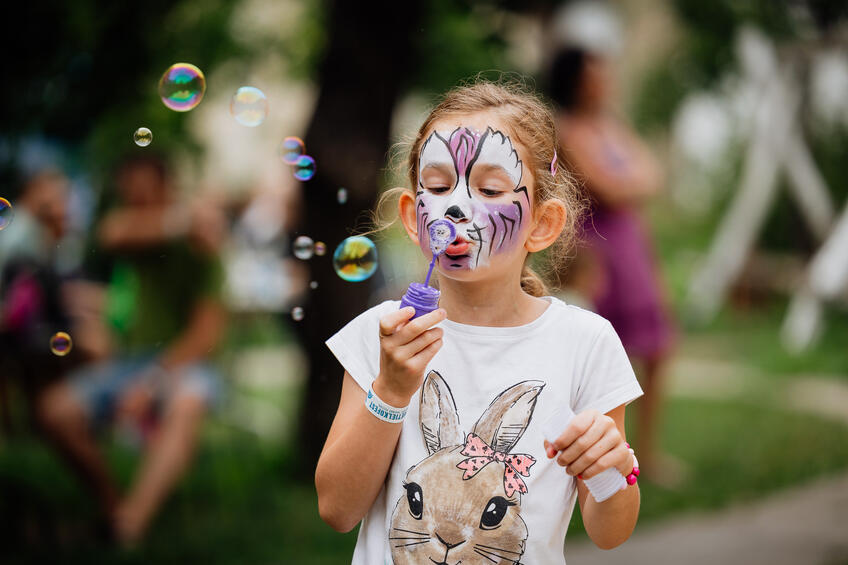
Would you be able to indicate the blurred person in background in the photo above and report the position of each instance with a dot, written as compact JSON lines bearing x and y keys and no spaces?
{"x":615,"y":270}
{"x":40,"y":219}
{"x":31,"y":305}
{"x":164,"y":296}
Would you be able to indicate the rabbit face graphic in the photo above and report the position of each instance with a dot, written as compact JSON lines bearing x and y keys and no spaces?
{"x":459,"y":506}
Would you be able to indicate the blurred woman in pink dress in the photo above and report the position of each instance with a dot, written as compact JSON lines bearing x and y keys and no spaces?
{"x":615,"y":270}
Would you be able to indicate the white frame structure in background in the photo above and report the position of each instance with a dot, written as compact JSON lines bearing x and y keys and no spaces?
{"x":776,"y":145}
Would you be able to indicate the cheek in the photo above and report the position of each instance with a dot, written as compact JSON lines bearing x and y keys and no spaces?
{"x":426,"y":211}
{"x":504,"y":225}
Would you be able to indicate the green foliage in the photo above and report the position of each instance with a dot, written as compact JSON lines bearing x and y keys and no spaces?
{"x":91,"y":68}
{"x":457,"y":41}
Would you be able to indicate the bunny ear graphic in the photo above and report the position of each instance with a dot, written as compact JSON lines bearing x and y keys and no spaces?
{"x":439,"y":418}
{"x":504,"y":421}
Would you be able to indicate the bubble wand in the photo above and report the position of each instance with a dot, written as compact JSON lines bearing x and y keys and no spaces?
{"x":423,"y":297}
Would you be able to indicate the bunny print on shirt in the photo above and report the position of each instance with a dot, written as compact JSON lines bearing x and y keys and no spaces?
{"x":462,"y":502}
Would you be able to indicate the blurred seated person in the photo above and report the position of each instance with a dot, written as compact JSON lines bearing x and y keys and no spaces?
{"x":31,"y":306}
{"x":39,"y":220}
{"x":167,"y":279}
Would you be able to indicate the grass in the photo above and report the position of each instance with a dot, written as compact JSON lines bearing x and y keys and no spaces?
{"x":240,"y":504}
{"x":752,"y":337}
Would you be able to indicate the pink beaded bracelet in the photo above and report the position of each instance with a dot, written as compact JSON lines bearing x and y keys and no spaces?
{"x":634,"y":474}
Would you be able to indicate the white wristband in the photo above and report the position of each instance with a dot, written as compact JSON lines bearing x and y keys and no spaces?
{"x":383,"y":411}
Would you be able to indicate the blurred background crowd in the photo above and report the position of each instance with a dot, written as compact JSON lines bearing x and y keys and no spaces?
{"x":164,"y":386}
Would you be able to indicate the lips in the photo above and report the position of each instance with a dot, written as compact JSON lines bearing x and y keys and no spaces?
{"x":458,"y":247}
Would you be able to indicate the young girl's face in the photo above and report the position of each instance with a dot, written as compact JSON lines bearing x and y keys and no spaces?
{"x":472,"y":173}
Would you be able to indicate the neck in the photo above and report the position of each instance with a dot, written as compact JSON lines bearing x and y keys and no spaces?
{"x":494,"y":302}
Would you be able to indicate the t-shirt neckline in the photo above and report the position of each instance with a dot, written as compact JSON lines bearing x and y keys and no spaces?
{"x":506,"y":331}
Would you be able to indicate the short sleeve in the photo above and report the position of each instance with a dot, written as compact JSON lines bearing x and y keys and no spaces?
{"x":357,"y":345}
{"x":607,"y":379}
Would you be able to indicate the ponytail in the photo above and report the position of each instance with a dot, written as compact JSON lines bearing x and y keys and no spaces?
{"x":532,"y":283}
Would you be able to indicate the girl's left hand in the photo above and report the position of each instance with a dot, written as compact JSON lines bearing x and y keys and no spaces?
{"x":589,"y":445}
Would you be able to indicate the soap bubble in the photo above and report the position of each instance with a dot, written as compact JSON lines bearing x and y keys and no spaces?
{"x":355,"y":259}
{"x":61,"y":344}
{"x":341,"y":195}
{"x":442,"y":233}
{"x":297,"y":313}
{"x":143,"y":137}
{"x":291,"y":149}
{"x":182,"y":87}
{"x":320,"y":248}
{"x":303,"y":247}
{"x":249,"y":106}
{"x":304,"y":168}
{"x":6,"y":213}
{"x":313,"y":285}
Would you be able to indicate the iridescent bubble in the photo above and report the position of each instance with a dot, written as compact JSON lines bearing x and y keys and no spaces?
{"x":320,"y":248}
{"x":182,"y":87}
{"x":341,"y":195}
{"x":303,"y":247}
{"x":304,"y":168}
{"x":7,"y":214}
{"x":249,"y":106}
{"x":291,"y":149}
{"x":313,"y":285}
{"x":143,"y":137}
{"x":297,"y":313}
{"x":61,"y":344}
{"x":442,"y":233}
{"x":355,"y":259}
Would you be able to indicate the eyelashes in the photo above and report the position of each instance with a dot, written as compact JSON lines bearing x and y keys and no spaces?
{"x":485,"y":191}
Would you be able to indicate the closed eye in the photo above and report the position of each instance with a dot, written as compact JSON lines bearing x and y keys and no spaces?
{"x":490,"y":192}
{"x":438,"y":189}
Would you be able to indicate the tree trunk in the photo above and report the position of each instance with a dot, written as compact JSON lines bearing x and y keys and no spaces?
{"x":366,"y":63}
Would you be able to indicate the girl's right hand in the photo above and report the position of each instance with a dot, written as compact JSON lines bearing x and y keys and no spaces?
{"x":405,"y":349}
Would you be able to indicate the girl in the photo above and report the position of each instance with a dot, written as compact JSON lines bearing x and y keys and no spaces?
{"x":437,"y":445}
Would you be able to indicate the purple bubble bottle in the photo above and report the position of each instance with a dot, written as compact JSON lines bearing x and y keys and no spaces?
{"x":423,"y":297}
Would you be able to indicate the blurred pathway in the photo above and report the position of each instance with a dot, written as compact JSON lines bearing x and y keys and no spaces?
{"x":803,"y":526}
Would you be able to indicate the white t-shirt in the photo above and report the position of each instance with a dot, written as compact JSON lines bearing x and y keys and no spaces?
{"x":470,"y":480}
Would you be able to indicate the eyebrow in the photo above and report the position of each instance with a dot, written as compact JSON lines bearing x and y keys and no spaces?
{"x":491,"y":167}
{"x":442,"y":167}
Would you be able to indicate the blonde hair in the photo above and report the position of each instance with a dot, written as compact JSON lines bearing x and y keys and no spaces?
{"x":532,"y":124}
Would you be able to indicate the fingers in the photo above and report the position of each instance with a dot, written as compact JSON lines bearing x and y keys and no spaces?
{"x":590,"y":444}
{"x":618,"y":457}
{"x":419,"y":325}
{"x":427,"y":354}
{"x":390,"y":322}
{"x":420,"y":342}
{"x":579,"y":446}
{"x":605,"y":444}
{"x":579,"y":425}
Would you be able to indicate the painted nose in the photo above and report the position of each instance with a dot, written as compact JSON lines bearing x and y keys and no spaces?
{"x":456,"y":213}
{"x":449,"y":546}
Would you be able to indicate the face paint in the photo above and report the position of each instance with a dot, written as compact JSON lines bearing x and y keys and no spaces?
{"x":473,"y":179}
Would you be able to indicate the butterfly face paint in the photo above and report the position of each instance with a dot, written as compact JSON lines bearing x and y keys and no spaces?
{"x":473,"y":179}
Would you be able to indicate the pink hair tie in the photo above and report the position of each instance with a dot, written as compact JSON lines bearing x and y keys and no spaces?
{"x":554,"y":164}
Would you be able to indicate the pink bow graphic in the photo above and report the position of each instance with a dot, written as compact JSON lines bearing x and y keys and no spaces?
{"x":480,"y":455}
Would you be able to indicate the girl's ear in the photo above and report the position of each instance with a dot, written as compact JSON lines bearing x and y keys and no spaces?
{"x":406,"y":209}
{"x":548,"y":224}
